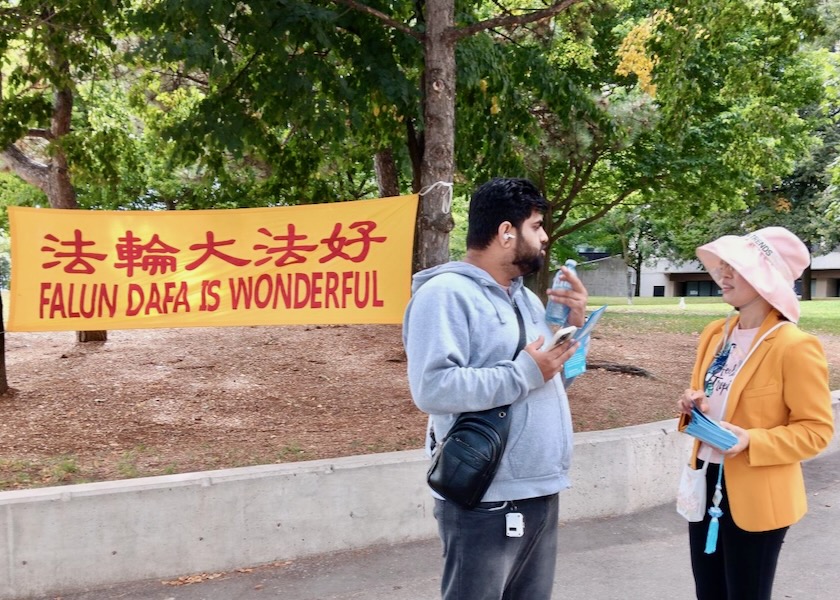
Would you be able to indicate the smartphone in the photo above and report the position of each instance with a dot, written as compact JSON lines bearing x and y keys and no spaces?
{"x":563,"y":335}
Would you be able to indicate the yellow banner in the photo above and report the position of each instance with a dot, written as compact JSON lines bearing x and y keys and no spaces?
{"x":347,"y":262}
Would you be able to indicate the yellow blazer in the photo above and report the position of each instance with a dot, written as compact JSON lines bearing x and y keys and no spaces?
{"x":781,"y":397}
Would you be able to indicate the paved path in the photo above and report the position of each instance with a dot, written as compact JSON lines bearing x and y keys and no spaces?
{"x":642,"y":556}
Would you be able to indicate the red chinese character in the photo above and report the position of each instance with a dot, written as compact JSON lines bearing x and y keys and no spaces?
{"x":146,"y":257}
{"x":79,"y":264}
{"x":210,"y":250}
{"x":337,"y":243}
{"x":288,"y":252}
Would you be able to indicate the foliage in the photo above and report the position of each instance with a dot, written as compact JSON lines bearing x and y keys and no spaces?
{"x":36,"y":37}
{"x":628,"y":231}
{"x":304,"y":95}
{"x":564,"y":121}
{"x":800,"y":200}
{"x":669,"y":111}
{"x":458,"y":236}
{"x":14,"y":192}
{"x":602,"y":110}
{"x":5,"y":271}
{"x":737,"y":104}
{"x":46,"y":51}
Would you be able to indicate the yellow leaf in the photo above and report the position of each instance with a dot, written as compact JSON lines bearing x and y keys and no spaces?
{"x":494,"y":106}
{"x":783,"y":205}
{"x":634,"y":58}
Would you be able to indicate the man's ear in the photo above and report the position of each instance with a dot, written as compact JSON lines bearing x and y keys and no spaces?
{"x":507,"y":232}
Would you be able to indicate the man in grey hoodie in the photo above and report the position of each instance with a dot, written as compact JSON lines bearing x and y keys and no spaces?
{"x":460,"y":333}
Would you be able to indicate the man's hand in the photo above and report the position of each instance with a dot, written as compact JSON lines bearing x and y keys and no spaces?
{"x":574,"y":298}
{"x":551,"y":361}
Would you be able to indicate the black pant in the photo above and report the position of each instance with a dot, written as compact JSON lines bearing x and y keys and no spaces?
{"x":744,"y":565}
{"x":481,"y":563}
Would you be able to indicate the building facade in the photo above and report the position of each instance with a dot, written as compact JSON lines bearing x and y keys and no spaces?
{"x":610,"y":276}
{"x":690,"y":279}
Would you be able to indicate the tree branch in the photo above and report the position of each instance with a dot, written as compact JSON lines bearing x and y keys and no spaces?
{"x":363,"y":8}
{"x":594,"y":217}
{"x":40,"y":133}
{"x":513,"y":20}
{"x":32,"y":172}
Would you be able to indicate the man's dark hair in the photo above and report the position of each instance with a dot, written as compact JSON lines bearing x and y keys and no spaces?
{"x":499,"y":200}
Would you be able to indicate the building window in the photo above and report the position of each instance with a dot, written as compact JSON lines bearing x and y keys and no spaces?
{"x":701,"y":288}
{"x":658,"y":291}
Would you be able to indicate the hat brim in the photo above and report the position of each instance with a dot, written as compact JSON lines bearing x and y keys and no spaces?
{"x":754,"y":267}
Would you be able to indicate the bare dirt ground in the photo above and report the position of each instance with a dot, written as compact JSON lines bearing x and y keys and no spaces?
{"x":161,"y":401}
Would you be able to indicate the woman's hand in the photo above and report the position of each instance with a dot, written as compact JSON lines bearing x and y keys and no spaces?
{"x":743,"y":439}
{"x":691,"y":398}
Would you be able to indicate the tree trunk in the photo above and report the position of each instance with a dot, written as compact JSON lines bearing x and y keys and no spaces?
{"x":434,"y":221}
{"x":637,"y":268}
{"x":386,"y":173}
{"x":60,"y":189}
{"x":806,"y":283}
{"x":91,"y":336}
{"x":415,"y":152}
{"x":540,"y":281}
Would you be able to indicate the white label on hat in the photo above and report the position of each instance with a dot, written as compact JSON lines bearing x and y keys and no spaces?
{"x":770,"y":252}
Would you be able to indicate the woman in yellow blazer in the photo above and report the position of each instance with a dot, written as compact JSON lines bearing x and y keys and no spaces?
{"x":767,"y":381}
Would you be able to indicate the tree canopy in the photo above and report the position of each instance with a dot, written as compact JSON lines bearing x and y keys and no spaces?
{"x":666,"y":109}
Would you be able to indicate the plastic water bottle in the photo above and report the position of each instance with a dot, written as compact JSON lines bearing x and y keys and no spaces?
{"x":556,"y":313}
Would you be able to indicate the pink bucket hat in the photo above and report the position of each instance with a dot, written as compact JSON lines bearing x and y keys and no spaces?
{"x":770,"y":259}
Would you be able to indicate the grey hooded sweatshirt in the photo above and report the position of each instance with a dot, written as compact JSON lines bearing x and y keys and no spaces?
{"x":460,"y":332}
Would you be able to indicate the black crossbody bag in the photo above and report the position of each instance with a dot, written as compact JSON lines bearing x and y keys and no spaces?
{"x":464,"y":463}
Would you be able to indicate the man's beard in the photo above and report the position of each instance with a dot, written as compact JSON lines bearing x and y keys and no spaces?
{"x":528,"y":262}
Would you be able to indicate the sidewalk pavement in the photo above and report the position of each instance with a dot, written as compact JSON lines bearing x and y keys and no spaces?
{"x":644,"y":556}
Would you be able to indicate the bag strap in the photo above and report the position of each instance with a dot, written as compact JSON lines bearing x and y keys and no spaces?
{"x":519,"y":346}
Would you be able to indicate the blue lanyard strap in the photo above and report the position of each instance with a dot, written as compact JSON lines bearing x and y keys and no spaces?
{"x":716,"y":513}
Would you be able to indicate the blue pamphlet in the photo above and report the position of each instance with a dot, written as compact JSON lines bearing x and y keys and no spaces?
{"x":577,"y":363}
{"x":709,"y":431}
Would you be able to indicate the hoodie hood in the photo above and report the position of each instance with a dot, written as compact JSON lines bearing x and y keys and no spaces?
{"x":490,"y":287}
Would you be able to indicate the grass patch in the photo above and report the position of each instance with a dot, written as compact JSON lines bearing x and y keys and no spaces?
{"x":666,"y":314}
{"x":15,"y":473}
{"x":142,"y":461}
{"x":65,"y":467}
{"x":292,"y":452}
{"x":23,"y":473}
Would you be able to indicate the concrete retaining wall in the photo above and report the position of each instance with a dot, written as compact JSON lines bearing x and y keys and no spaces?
{"x":69,"y":538}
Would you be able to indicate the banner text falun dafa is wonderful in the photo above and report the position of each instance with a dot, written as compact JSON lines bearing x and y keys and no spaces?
{"x":346,"y":262}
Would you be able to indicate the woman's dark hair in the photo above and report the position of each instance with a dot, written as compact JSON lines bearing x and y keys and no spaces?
{"x":497,"y":201}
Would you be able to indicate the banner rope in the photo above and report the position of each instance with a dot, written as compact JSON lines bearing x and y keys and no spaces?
{"x":447,"y":204}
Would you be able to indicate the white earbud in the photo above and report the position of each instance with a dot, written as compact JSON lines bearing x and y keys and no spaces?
{"x":508,"y":236}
